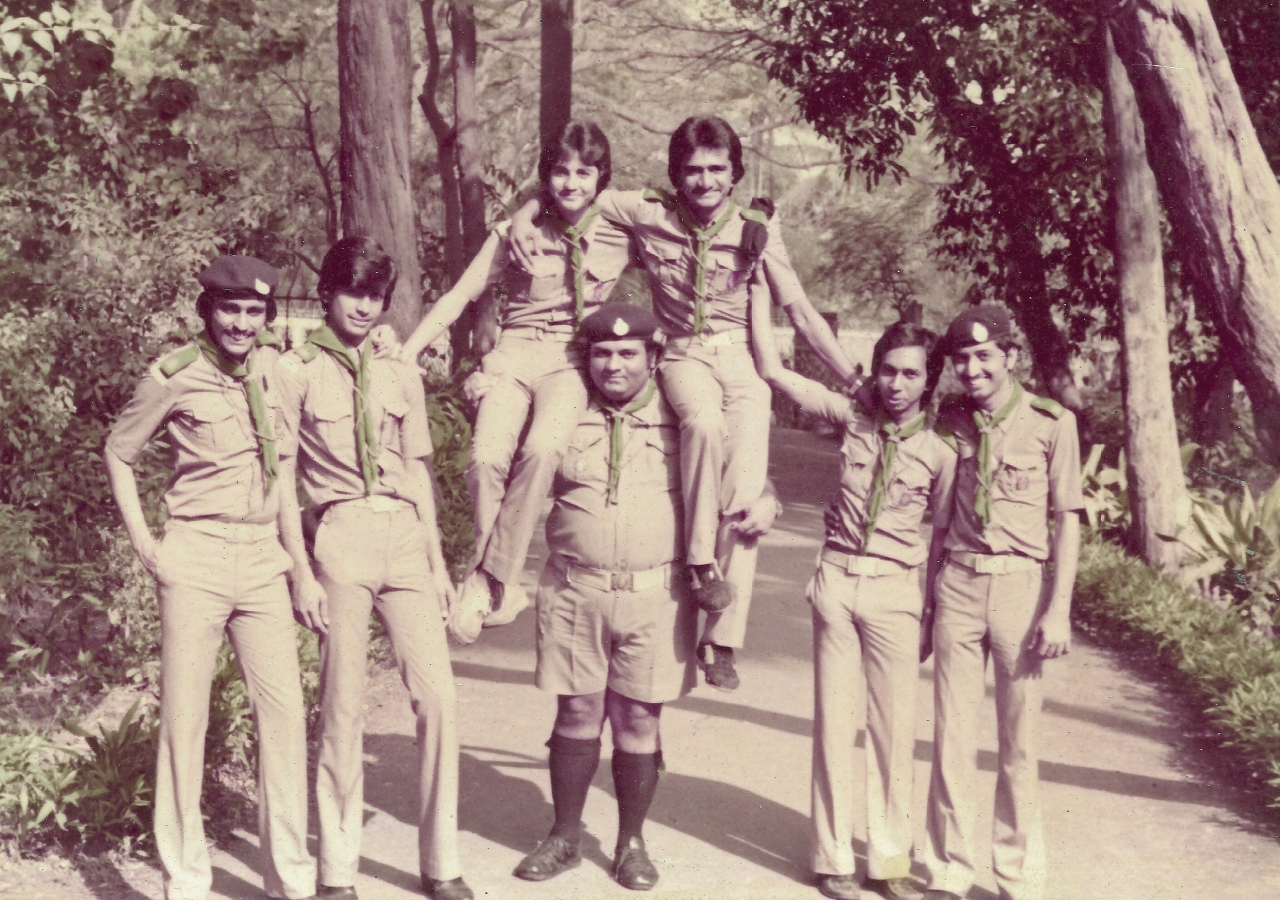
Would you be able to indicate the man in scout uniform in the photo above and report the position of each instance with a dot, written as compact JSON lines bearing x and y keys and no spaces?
{"x":616,"y":623}
{"x":221,"y":568}
{"x":1019,"y":467}
{"x":702,"y":252}
{"x":362,"y":428}
{"x":867,"y":603}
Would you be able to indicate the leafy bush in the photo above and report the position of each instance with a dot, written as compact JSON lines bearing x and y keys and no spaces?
{"x":450,"y":423}
{"x":1124,"y":603}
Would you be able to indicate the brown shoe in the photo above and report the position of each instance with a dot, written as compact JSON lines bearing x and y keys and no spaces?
{"x":710,"y":590}
{"x":839,"y":887}
{"x":549,"y":859}
{"x":632,"y":867}
{"x":452,"y":889}
{"x":718,"y":666}
{"x":894,"y":888}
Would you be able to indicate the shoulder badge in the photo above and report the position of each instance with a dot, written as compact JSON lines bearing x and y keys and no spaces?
{"x":754,"y":215}
{"x":658,"y":195}
{"x":179,"y":359}
{"x":268,"y":338}
{"x":1049,"y":407}
{"x":307,"y":351}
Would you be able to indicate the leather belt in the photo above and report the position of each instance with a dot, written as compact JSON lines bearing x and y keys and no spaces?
{"x":236,"y":532}
{"x":605,"y":580}
{"x":712,"y":339}
{"x":374,"y":502}
{"x":864,"y":565}
{"x":538,"y":333}
{"x":994,"y":564}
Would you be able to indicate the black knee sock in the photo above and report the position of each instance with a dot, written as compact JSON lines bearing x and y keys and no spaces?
{"x":635,"y":778}
{"x":573,"y":764}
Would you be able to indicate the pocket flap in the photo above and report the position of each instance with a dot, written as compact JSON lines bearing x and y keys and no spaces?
{"x":330,"y":406}
{"x":1022,"y":460}
{"x":210,"y":408}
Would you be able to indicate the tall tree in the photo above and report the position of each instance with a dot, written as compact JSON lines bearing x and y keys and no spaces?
{"x":374,"y":94}
{"x":1157,"y":489}
{"x":555,"y":104}
{"x":1221,"y":195}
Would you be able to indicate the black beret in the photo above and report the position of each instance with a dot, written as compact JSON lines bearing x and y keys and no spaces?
{"x":618,"y":322}
{"x":240,"y":275}
{"x":977,"y":325}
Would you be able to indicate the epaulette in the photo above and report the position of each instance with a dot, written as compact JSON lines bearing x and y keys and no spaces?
{"x":179,"y":359}
{"x":1049,"y":407}
{"x":268,"y":338}
{"x":307,"y":351}
{"x":658,"y":195}
{"x":947,"y":437}
{"x":760,"y":217}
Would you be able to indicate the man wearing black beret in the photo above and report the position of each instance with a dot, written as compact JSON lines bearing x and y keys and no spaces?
{"x":221,"y":568}
{"x":1018,"y":467}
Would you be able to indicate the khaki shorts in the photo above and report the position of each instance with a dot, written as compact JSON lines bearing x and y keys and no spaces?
{"x":641,"y":644}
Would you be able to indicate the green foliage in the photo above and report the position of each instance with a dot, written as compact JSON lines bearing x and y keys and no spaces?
{"x":1106,"y":495}
{"x":450,"y":422}
{"x":36,"y":786}
{"x":115,"y":783}
{"x":1236,"y":674}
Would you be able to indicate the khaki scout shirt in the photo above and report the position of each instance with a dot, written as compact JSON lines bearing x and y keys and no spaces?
{"x":667,"y":250}
{"x":217,"y":461}
{"x":1035,"y":461}
{"x":544,"y":298}
{"x":319,"y":401}
{"x":642,"y":529}
{"x":922,"y":477}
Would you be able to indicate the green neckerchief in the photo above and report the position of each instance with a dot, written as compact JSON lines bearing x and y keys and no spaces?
{"x":703,"y":238}
{"x":366,"y":438}
{"x":242,"y":373}
{"x":615,"y":415}
{"x":982,"y":498}
{"x":573,"y":236}
{"x":893,"y":436}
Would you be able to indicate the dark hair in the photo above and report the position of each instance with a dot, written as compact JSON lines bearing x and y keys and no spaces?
{"x":711,"y":132}
{"x":357,"y":265}
{"x":908,"y":334}
{"x":207,"y":300}
{"x":587,"y":140}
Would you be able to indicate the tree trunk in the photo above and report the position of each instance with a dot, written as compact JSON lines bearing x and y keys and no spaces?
{"x":556,"y":102}
{"x":446,"y":151}
{"x":1157,"y":489}
{"x":375,"y":100}
{"x":1221,"y":195}
{"x":477,"y":328}
{"x":1213,"y":402}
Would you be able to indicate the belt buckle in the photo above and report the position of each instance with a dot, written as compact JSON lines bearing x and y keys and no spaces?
{"x":622,"y":581}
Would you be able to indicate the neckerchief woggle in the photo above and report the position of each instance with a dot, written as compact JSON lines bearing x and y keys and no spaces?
{"x":366,"y":439}
{"x":243,"y":373}
{"x":702,"y":237}
{"x":982,"y":497}
{"x":616,"y":415}
{"x":573,"y":236}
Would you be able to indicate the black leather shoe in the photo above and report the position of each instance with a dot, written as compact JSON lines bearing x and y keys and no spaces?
{"x":336,"y":893}
{"x":941,"y":895}
{"x":894,"y":888}
{"x":632,"y":868}
{"x":453,"y":889}
{"x":839,"y":887}
{"x":549,"y":859}
{"x":718,"y":666}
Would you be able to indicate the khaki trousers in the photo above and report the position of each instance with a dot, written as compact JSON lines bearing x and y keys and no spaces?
{"x":368,"y":560}
{"x":210,"y":585}
{"x":864,"y":627}
{"x":724,"y":411}
{"x":508,"y":499}
{"x":980,"y":615}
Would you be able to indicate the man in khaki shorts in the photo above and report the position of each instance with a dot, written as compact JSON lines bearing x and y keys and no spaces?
{"x":220,"y":568}
{"x":1019,"y":467}
{"x":362,"y":427}
{"x":617,"y":625}
{"x":867,"y":602}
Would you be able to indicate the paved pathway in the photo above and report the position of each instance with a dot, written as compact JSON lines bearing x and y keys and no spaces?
{"x":1129,"y":814}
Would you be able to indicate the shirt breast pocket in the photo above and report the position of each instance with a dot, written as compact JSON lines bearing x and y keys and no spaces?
{"x":663,"y":453}
{"x":727,"y":273}
{"x":214,"y":423}
{"x":586,"y":460}
{"x":394,"y":408}
{"x":909,"y":492}
{"x":665,"y":261}
{"x":859,"y":463}
{"x":1023,"y":478}
{"x":334,"y":417}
